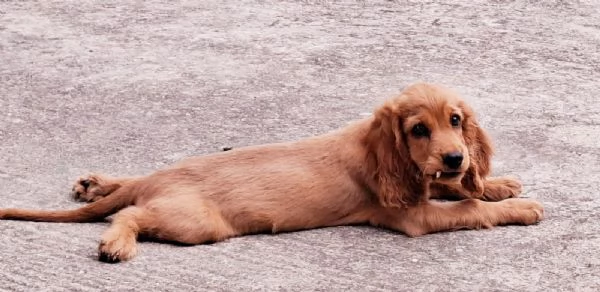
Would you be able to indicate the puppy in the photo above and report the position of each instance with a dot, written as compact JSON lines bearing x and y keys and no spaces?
{"x":383,"y":170}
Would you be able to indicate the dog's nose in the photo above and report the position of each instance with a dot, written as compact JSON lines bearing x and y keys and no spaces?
{"x":453,"y":160}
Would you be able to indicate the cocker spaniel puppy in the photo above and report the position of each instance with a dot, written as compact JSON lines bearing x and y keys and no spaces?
{"x":384,"y":170}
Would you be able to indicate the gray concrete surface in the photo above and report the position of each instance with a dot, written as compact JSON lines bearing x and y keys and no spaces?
{"x":125,"y":87}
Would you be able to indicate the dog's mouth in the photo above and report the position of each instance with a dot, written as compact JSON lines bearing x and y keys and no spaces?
{"x":446,"y":175}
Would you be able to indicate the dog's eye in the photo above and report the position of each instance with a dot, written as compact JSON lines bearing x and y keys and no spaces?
{"x":455,"y":120}
{"x":420,"y":130}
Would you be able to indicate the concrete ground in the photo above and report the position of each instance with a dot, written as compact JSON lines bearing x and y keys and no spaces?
{"x":125,"y":87}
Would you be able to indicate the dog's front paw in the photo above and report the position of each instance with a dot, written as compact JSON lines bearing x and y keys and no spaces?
{"x":88,"y":189}
{"x":500,"y":188}
{"x":524,"y":211}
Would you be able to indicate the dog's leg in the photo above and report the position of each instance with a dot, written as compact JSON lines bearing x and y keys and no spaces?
{"x":435,"y":216}
{"x":446,"y":192}
{"x":494,"y":189}
{"x":186,"y":219}
{"x":500,"y":188}
{"x":119,"y":241}
{"x":93,"y":187}
{"x":180,"y":219}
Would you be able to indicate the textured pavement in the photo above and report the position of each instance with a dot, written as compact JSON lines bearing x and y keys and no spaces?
{"x":125,"y":87}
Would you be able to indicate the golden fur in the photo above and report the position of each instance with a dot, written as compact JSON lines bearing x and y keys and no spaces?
{"x":383,"y":170}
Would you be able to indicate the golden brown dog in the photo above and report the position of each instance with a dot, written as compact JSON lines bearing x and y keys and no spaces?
{"x":383,"y":171}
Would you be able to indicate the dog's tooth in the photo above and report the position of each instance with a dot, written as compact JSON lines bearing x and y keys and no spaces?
{"x":438,"y":174}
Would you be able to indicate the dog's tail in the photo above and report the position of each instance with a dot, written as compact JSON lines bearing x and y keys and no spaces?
{"x":95,"y":211}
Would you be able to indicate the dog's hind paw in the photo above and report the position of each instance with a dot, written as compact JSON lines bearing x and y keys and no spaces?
{"x":120,"y":248}
{"x":88,"y":188}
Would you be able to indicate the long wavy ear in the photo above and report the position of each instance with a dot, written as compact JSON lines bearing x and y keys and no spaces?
{"x":396,"y":176}
{"x":480,"y":152}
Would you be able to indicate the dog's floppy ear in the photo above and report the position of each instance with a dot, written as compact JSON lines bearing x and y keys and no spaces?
{"x":480,"y":152}
{"x":395,"y":174}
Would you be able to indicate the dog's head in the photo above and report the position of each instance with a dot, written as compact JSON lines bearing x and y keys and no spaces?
{"x":427,"y":134}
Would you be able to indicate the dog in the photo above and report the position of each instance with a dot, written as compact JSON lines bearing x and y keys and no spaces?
{"x":387,"y":170}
